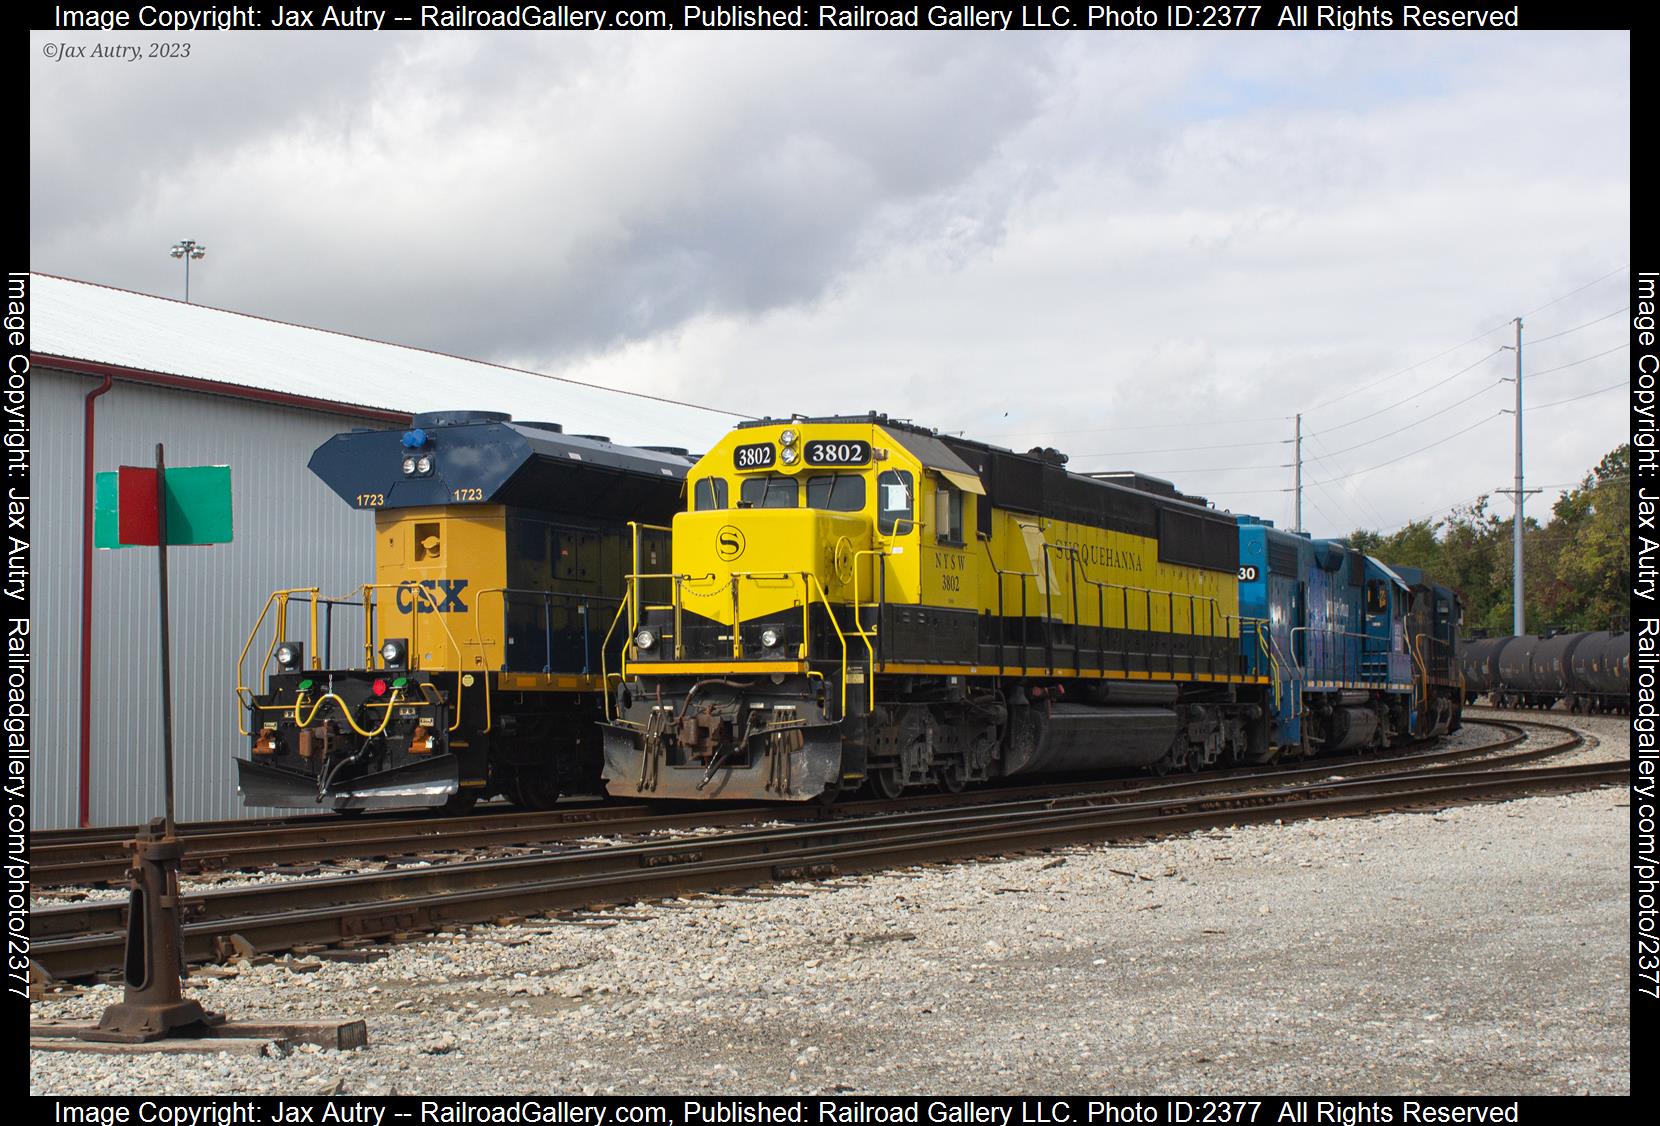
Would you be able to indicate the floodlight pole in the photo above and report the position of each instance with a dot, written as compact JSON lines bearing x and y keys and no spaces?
{"x":187,"y":249}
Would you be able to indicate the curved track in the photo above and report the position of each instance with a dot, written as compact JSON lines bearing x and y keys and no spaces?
{"x":87,"y":939}
{"x":100,"y":856}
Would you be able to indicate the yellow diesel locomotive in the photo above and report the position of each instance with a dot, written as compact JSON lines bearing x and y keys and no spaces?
{"x":474,"y":663}
{"x":862,"y":602}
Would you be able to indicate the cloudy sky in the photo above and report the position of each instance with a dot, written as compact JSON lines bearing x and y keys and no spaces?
{"x":1147,"y":250}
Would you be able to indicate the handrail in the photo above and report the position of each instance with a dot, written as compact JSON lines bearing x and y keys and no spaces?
{"x":622,"y":671}
{"x":830,"y":612}
{"x":244,"y":694}
{"x":811,"y":588}
{"x":581,"y":601}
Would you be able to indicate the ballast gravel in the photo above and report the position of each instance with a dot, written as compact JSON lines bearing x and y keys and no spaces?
{"x":1476,"y":949}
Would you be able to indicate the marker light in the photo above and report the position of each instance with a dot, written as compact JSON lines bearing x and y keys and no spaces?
{"x":769,"y":638}
{"x":378,"y":687}
{"x":645,"y":639}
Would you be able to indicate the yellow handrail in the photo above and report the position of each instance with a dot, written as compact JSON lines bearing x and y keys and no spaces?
{"x":622,"y":673}
{"x":870,"y":678}
{"x":244,"y":694}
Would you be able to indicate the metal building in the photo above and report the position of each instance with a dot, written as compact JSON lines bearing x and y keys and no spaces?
{"x":123,"y":371}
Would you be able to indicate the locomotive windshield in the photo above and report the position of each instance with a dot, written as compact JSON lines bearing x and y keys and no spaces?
{"x":832,"y":492}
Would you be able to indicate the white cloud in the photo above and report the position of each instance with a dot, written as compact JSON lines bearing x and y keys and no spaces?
{"x":1032,"y":238}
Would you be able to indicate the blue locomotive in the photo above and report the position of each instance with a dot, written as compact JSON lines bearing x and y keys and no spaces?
{"x":1360,"y":654}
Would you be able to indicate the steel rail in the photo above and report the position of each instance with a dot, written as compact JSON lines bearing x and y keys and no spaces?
{"x":273,"y":844}
{"x":80,"y":941}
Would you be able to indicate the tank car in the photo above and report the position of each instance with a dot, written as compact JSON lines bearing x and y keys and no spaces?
{"x":1600,"y":673}
{"x":1591,"y":672}
{"x":477,"y":654}
{"x":1478,"y":660}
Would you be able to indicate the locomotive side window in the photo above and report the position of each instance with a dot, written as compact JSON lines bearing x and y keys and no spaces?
{"x":708,"y":494}
{"x":1376,"y":597}
{"x":894,"y":491}
{"x":768,"y":492}
{"x":948,"y":515}
{"x":839,"y":492}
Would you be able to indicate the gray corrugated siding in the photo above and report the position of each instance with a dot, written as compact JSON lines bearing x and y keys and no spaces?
{"x":291,"y":531}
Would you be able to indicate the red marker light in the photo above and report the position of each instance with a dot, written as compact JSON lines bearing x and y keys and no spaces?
{"x":378,"y":688}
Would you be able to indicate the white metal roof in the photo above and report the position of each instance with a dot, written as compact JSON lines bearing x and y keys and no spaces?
{"x":96,"y":323}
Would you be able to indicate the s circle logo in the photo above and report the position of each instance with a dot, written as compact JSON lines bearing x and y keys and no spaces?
{"x":729,"y":543}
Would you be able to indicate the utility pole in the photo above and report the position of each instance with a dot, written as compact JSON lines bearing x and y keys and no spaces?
{"x":1297,"y":478}
{"x":1518,"y":615}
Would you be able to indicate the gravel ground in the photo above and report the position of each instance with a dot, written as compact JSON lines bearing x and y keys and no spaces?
{"x":1476,"y":950}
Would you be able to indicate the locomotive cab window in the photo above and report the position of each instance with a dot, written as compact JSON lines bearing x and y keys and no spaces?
{"x":768,"y":492}
{"x":709,"y":494}
{"x":948,"y":513}
{"x":837,"y":492}
{"x":895,"y":489}
{"x":1377,"y":596}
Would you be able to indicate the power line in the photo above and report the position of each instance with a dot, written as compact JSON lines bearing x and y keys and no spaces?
{"x":1419,"y":450}
{"x":1419,"y":422}
{"x":1581,"y":289}
{"x":1576,"y":363}
{"x":1187,"y":449}
{"x":1576,"y":328}
{"x":1456,"y":347}
{"x":1575,"y":399}
{"x":1146,"y":426}
{"x":1415,"y":395}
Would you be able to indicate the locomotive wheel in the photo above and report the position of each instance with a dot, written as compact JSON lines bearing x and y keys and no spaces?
{"x":886,"y":783}
{"x":950,"y":778}
{"x":535,"y":790}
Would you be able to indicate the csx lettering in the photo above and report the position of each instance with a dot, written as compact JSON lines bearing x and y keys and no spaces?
{"x":444,"y":597}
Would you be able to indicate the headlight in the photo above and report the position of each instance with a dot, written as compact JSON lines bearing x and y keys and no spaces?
{"x":288,"y":655}
{"x":769,"y":638}
{"x":645,"y":639}
{"x":395,"y":652}
{"x":788,"y":437}
{"x":409,"y":467}
{"x":423,"y":465}
{"x":789,"y":454}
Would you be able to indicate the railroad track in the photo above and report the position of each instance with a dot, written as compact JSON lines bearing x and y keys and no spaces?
{"x":87,"y":939}
{"x":78,"y":857}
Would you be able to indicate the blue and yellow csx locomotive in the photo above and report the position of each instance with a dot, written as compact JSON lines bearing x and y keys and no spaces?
{"x":478,"y":653}
{"x":858,"y":601}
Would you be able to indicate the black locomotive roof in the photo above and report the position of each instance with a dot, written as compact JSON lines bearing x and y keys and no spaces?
{"x":1038,"y":482}
{"x":481,"y":457}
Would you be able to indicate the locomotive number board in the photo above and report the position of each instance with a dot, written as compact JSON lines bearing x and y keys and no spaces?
{"x":823,"y":453}
{"x":761,"y":455}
